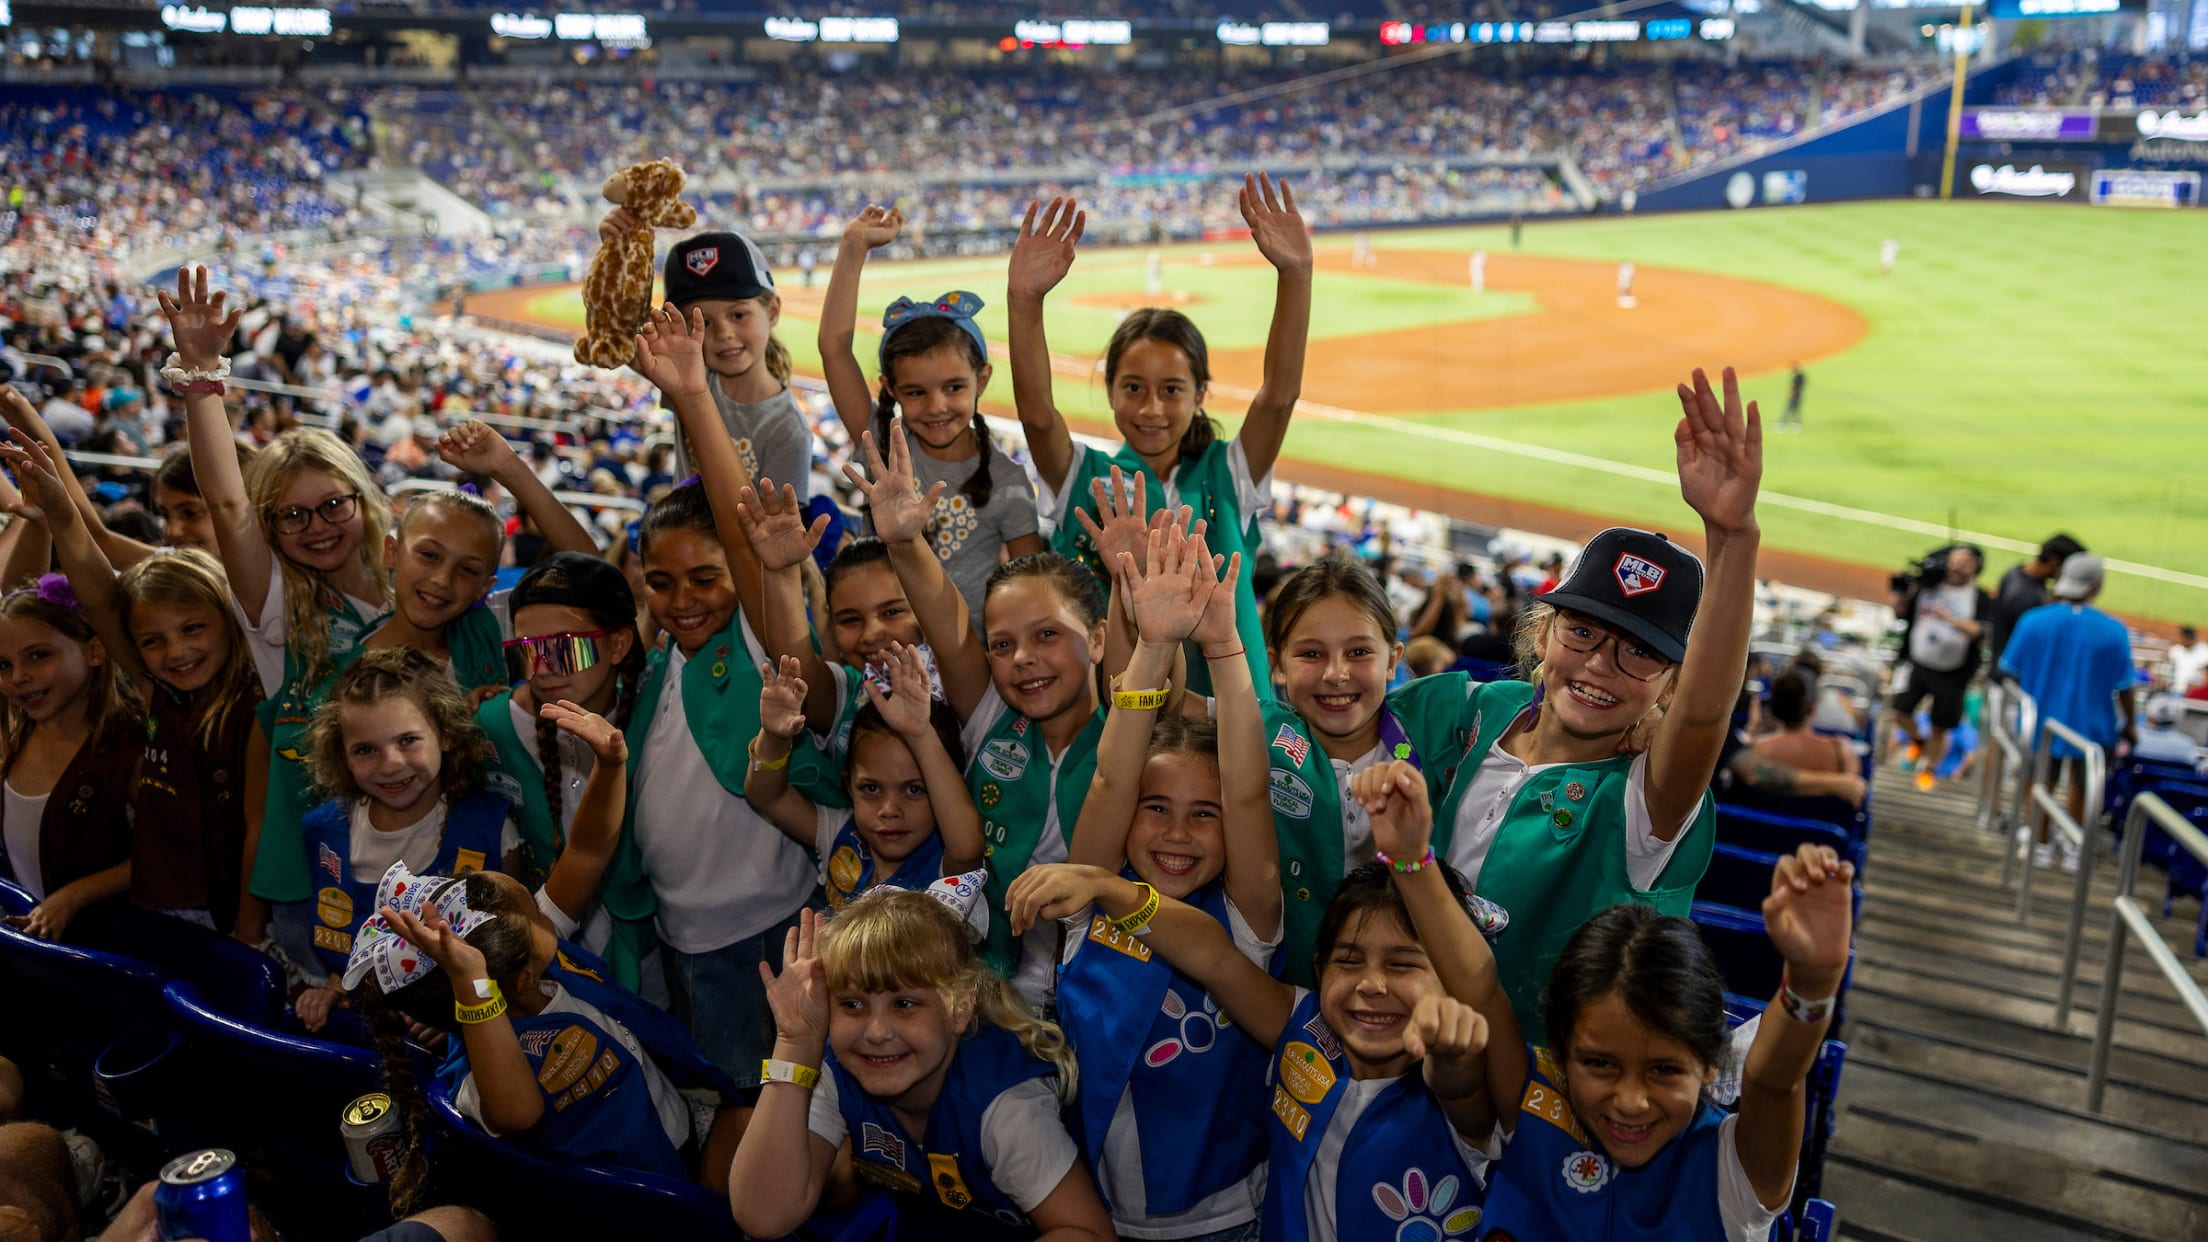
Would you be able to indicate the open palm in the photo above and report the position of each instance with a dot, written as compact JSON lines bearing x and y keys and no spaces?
{"x":893,"y":497}
{"x":1809,"y":914}
{"x":670,"y":351}
{"x":775,"y":526}
{"x":1276,"y":226}
{"x":1044,"y":253}
{"x":199,"y":323}
{"x":1720,"y":453}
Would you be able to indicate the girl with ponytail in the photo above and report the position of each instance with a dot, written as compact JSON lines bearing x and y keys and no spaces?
{"x":934,"y":369}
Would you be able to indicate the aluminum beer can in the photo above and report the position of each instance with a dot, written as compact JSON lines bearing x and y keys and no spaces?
{"x":202,"y":1195}
{"x":373,"y":1138}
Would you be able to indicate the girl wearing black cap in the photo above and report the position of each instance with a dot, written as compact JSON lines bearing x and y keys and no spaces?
{"x":1546,"y":817}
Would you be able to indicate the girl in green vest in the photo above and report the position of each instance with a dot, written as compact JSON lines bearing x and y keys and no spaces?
{"x":1157,"y":370}
{"x":1025,"y":689}
{"x":1547,"y":815}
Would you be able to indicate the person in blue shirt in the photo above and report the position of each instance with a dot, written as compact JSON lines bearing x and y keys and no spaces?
{"x":2075,"y":662}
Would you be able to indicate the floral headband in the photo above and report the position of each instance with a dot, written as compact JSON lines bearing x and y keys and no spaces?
{"x":54,"y":589}
{"x":378,"y":946}
{"x":958,"y":306}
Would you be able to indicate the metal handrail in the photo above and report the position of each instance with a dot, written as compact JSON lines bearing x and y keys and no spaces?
{"x":2008,"y":757}
{"x":583,"y":500}
{"x":286,"y":390}
{"x":560,"y":426}
{"x":112,"y":460}
{"x":2128,"y":919}
{"x":2046,"y":810}
{"x":44,"y":360}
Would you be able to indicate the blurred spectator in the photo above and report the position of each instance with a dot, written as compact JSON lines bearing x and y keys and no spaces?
{"x":2024,"y":588}
{"x":2075,"y":662}
{"x":2162,"y":741}
{"x":2188,"y":659}
{"x":1940,"y":652}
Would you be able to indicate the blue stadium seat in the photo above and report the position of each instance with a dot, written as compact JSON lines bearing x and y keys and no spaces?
{"x":235,"y":978}
{"x":1774,"y":833}
{"x":1745,"y":955}
{"x":1819,"y":1119}
{"x":1737,"y":876}
{"x":88,"y":998}
{"x":532,"y":1197}
{"x":1854,"y":821}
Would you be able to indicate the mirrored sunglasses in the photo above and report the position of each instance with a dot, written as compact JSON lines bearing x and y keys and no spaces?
{"x":555,"y":655}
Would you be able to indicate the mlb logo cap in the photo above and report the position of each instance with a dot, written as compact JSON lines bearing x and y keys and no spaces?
{"x":716,"y":265}
{"x":1637,"y":583}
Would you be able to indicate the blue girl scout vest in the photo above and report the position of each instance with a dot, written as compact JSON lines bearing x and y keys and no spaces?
{"x":849,"y":870}
{"x":1197,"y":1079}
{"x":473,"y":826}
{"x":1400,"y":1174}
{"x":1554,"y":1183}
{"x":587,"y":978}
{"x":1425,"y":722}
{"x":944,"y":1165}
{"x":1009,"y":774}
{"x":598,"y":1107}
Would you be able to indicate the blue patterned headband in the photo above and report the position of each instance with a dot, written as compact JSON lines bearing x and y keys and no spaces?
{"x":958,"y":306}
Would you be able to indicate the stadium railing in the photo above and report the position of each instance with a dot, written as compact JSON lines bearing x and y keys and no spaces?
{"x":2007,"y":757}
{"x":2048,"y":811}
{"x":2127,"y":920}
{"x":581,"y":500}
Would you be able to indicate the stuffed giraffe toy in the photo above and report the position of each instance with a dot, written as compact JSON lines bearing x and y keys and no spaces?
{"x":617,"y":294}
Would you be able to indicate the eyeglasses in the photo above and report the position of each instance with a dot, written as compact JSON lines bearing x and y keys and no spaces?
{"x":1635,"y":659}
{"x":336,"y":511}
{"x":555,"y":655}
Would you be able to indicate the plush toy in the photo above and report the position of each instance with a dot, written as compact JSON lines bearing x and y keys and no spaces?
{"x":617,"y":294}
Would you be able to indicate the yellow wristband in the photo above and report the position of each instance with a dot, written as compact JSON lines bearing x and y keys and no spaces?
{"x":1139,"y":700}
{"x":1134,"y":923}
{"x":762,"y":764}
{"x":771,"y":1070}
{"x":480,"y":1013}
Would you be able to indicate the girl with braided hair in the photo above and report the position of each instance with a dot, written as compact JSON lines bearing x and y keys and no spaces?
{"x":934,"y":367}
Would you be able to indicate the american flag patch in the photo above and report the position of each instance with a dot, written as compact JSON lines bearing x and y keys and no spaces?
{"x":331,"y":863}
{"x":874,"y":1140}
{"x":1323,"y":1035}
{"x":1295,"y":744}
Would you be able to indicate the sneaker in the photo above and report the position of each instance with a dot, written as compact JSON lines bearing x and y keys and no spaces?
{"x":2070,"y":861}
{"x":2043,"y":855}
{"x":1925,"y":780}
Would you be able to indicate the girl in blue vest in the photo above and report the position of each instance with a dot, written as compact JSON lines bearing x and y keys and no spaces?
{"x":894,"y":1039}
{"x":167,"y":624}
{"x":911,"y":821}
{"x":541,"y":1048}
{"x":575,"y":643}
{"x":726,"y":883}
{"x":1157,"y":370}
{"x":1382,"y":1086}
{"x":397,"y":747}
{"x":1330,"y":636}
{"x":934,"y":367}
{"x":1588,"y":784}
{"x":1026,"y":688}
{"x":1616,"y":1139}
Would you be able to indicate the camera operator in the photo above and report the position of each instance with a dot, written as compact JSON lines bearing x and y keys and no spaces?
{"x":1943,"y":611}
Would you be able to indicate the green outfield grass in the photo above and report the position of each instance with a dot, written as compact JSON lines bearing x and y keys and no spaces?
{"x":2029,"y":367}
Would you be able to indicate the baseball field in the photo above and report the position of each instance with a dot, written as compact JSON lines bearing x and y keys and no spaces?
{"x":2025,"y":368}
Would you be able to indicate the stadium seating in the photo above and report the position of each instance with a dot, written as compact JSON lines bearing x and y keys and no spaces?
{"x":1782,"y":834}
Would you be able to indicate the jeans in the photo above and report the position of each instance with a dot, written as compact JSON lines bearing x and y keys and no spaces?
{"x":719,"y":996}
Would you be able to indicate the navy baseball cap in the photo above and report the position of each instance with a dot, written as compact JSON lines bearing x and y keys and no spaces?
{"x":716,"y":265}
{"x":1638,"y":583}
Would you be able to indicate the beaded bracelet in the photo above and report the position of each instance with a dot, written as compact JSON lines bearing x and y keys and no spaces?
{"x":1407,"y":865}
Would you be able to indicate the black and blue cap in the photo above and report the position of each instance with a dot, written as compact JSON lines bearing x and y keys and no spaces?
{"x":1638,"y":583}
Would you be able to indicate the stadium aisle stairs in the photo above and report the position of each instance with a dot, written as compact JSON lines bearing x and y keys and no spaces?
{"x":1962,"y":1110}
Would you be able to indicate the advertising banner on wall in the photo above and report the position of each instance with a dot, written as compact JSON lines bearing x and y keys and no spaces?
{"x":2030,"y":124}
{"x":2060,"y":180}
{"x":2145,"y":187}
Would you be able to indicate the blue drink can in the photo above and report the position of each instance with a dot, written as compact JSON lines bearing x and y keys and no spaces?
{"x":202,"y":1195}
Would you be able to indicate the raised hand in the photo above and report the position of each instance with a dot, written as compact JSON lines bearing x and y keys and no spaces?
{"x":782,"y":698}
{"x":474,"y":448}
{"x":875,"y":227}
{"x":1275,"y":224}
{"x":200,"y":325}
{"x":1720,"y":453}
{"x":36,"y":470}
{"x":1168,"y":592}
{"x":1052,"y":891}
{"x":670,"y":351}
{"x":1122,"y":522}
{"x":907,"y":707}
{"x":1444,"y":1029}
{"x":893,"y":497}
{"x":597,"y":732}
{"x":1395,"y":799}
{"x":774,"y":523}
{"x":1044,"y":253}
{"x":619,"y":223}
{"x":1809,"y":916}
{"x":1216,"y":633}
{"x":461,"y":961}
{"x":799,"y":995}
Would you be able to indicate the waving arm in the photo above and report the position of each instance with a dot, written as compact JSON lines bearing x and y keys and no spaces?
{"x":1040,"y":259}
{"x":1278,"y":229}
{"x":203,"y":329}
{"x":874,"y":227}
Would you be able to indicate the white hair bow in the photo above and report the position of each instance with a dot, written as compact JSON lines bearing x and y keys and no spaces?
{"x":378,"y":947}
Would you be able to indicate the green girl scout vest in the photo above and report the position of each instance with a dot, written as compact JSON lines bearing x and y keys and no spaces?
{"x":1428,"y":722}
{"x":1206,"y":485}
{"x":1010,"y":776}
{"x":1558,"y":858}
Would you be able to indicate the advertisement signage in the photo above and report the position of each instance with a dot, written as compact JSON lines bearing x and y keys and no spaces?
{"x":255,"y":20}
{"x":2034,"y":9}
{"x":2145,"y":187}
{"x":1784,"y":186}
{"x":1275,"y":34}
{"x":858,"y":30}
{"x":599,"y":27}
{"x":1077,"y":32}
{"x":2049,"y":179}
{"x":2174,"y":124}
{"x":2030,"y":124}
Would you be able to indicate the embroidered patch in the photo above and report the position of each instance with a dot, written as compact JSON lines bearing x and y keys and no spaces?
{"x":1303,"y":1073}
{"x":876,"y":1140}
{"x":1423,"y":1208}
{"x":1198,"y":1034}
{"x":567,"y":1060}
{"x":1291,"y":797}
{"x":1293,"y":744}
{"x":327,"y":859}
{"x":464,"y":861}
{"x":844,"y":869}
{"x":991,"y":794}
{"x":1291,"y":1114}
{"x":949,"y":1186}
{"x":335,"y":907}
{"x":1321,"y":1034}
{"x":1107,"y":933}
{"x":896,"y":1181}
{"x":702,"y":260}
{"x":1638,"y":575}
{"x":1586,"y":1172}
{"x":1005,"y":759}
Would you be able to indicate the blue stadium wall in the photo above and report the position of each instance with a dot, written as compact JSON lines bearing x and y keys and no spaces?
{"x":1869,"y":159}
